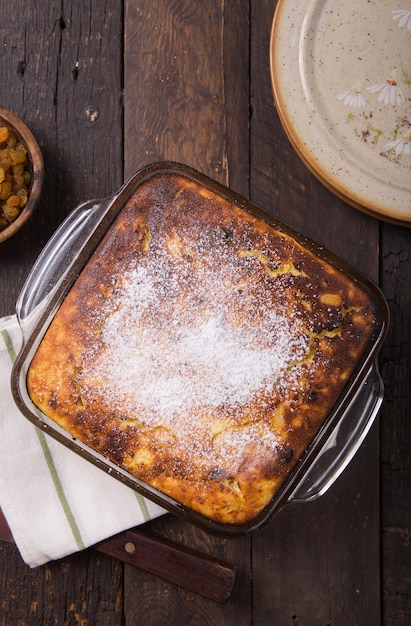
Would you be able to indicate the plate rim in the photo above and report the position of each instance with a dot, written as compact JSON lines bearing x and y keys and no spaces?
{"x":307,"y":155}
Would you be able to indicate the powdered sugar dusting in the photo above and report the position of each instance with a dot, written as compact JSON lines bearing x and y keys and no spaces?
{"x":209,"y":363}
{"x":182,"y":339}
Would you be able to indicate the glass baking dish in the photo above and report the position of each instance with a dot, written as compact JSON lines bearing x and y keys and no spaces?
{"x":56,"y":270}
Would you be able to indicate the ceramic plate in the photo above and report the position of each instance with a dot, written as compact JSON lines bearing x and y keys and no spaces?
{"x":341,"y":75}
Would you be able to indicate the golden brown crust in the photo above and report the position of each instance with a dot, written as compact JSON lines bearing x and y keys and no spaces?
{"x":200,"y":349}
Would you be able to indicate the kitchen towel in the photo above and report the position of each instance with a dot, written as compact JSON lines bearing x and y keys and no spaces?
{"x":55,"y":502}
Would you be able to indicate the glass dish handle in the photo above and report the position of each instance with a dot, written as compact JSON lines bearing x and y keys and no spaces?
{"x":345,"y":440}
{"x":56,"y":259}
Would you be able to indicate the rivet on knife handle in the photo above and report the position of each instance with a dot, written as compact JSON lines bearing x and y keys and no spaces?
{"x":195,"y":571}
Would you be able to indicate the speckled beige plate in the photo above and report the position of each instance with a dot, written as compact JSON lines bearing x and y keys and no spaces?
{"x":341,"y":75}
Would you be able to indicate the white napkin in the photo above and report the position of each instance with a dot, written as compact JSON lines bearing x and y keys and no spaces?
{"x":55,"y":502}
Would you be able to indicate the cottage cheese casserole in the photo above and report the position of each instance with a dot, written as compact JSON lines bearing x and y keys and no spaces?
{"x":201,"y":348}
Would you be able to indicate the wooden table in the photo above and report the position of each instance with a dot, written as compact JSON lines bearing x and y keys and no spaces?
{"x":108,"y":88}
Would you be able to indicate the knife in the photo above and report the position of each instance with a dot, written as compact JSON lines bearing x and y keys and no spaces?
{"x":187,"y":568}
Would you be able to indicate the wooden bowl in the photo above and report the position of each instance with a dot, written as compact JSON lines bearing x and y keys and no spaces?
{"x":35,"y":166}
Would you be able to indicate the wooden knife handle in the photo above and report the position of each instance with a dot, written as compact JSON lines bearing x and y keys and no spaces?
{"x":195,"y":571}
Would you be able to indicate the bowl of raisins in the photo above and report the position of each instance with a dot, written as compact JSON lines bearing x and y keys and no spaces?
{"x":21,"y":173}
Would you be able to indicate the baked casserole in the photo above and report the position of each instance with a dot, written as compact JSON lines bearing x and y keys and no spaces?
{"x":201,"y":348}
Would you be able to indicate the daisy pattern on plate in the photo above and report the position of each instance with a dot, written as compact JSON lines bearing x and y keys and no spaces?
{"x":401,"y":146}
{"x":403,"y":16}
{"x":389,"y":92}
{"x":353,"y":97}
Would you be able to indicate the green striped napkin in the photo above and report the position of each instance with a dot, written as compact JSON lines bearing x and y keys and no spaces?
{"x":55,"y":502}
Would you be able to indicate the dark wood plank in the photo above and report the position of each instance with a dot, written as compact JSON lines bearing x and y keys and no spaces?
{"x":236,"y":59}
{"x":182,"y":103}
{"x":60,"y":65}
{"x":395,"y":428}
{"x":315,"y":563}
{"x":64,"y":73}
{"x":151,"y":601}
{"x":174,"y":85}
{"x":82,"y":589}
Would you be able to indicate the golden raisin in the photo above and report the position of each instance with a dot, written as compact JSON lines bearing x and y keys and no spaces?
{"x":11,"y":212}
{"x":5,"y":160}
{"x":19,"y":179}
{"x":18,"y":156}
{"x":4,"y":133}
{"x":5,"y":190}
{"x":18,"y":169}
{"x":13,"y":201}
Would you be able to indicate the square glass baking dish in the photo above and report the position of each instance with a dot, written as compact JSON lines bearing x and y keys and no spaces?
{"x":55,"y":272}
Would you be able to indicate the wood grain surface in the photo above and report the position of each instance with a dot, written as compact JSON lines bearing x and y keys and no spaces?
{"x":108,"y":87}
